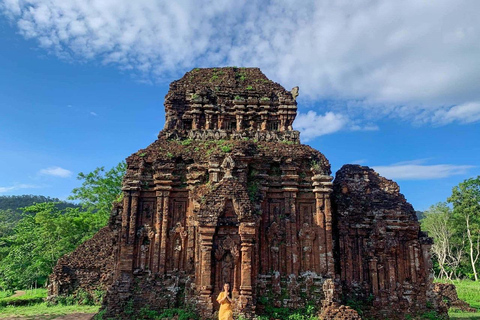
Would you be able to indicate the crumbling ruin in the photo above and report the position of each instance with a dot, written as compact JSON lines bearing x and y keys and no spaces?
{"x":228,"y":194}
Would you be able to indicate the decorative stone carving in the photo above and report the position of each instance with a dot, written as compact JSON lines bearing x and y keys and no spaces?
{"x":257,"y":212}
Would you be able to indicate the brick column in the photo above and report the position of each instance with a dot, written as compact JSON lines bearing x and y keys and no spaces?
{"x":158,"y":231}
{"x":322,"y":188}
{"x":247,"y":235}
{"x":164,"y":234}
{"x":206,"y":245}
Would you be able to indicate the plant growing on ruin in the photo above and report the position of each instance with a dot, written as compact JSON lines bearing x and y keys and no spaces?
{"x":226,"y":148}
{"x":249,"y":88}
{"x":186,"y":142}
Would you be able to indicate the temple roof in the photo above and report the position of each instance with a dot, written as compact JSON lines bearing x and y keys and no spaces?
{"x":229,"y":104}
{"x":223,"y":85}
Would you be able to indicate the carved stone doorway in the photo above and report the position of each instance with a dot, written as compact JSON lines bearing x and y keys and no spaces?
{"x":226,"y":263}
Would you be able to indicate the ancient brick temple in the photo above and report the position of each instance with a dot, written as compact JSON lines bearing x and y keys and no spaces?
{"x":228,"y":194}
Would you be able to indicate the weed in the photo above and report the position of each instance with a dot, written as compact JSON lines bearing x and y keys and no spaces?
{"x":316,"y":165}
{"x":238,"y":98}
{"x":265,"y":99}
{"x":186,"y":142}
{"x":129,"y":307}
{"x":226,"y":148}
{"x":170,"y":155}
{"x":249,"y":88}
{"x":143,"y":154}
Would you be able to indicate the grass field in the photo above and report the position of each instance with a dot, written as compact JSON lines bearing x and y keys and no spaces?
{"x":31,"y":304}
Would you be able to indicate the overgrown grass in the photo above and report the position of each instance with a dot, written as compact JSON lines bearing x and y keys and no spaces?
{"x":43,"y":310}
{"x":30,"y":297}
{"x":31,"y":304}
{"x":5,"y":294}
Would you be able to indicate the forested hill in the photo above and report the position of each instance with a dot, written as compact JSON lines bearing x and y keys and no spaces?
{"x":17,"y":202}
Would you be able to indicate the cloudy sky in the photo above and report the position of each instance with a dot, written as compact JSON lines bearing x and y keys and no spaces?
{"x":389,"y":84}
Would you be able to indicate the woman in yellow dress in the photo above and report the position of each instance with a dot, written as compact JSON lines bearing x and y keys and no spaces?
{"x":225,"y":312}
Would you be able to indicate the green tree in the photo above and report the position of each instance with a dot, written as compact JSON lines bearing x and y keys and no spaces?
{"x":466,"y":214}
{"x":446,"y":249}
{"x":43,"y":235}
{"x":100,"y":189}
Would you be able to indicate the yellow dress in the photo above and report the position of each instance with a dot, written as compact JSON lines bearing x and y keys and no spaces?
{"x":225,"y":312}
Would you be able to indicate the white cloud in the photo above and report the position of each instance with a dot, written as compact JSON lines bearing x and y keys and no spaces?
{"x":56,"y":172}
{"x":464,"y":113}
{"x":93,"y":113}
{"x":416,"y":60}
{"x":18,"y":187}
{"x":312,"y":125}
{"x":414,"y":170}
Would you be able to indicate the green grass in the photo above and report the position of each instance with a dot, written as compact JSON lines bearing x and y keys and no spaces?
{"x":468,"y":291}
{"x":5,"y":294}
{"x":30,"y":296}
{"x":44,"y":310}
{"x":31,"y":305}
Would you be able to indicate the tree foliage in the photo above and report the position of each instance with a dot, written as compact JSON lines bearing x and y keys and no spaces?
{"x":465,"y":199}
{"x":455,"y":229}
{"x":43,"y":235}
{"x":32,"y":239}
{"x":100,"y":189}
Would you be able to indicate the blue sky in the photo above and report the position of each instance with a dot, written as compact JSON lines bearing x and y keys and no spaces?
{"x":387,"y":86}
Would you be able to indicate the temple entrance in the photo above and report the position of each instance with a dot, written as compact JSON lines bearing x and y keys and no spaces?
{"x":226,"y":262}
{"x":226,"y":265}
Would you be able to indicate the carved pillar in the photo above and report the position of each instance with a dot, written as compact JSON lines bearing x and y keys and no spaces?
{"x":264,"y":119}
{"x":247,"y":235}
{"x":322,"y":189}
{"x":196,"y":111}
{"x":205,"y":281}
{"x":163,"y":181}
{"x":158,"y":230}
{"x":133,"y":217}
{"x":163,"y":241}
{"x":374,"y":275}
{"x":290,"y":189}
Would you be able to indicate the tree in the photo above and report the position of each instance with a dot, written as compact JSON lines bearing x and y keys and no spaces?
{"x":100,"y":189}
{"x":466,"y":214}
{"x":438,"y":222}
{"x":43,"y":235}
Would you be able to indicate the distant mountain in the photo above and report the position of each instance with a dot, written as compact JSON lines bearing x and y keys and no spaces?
{"x":17,"y":202}
{"x":11,"y":213}
{"x":419,"y":215}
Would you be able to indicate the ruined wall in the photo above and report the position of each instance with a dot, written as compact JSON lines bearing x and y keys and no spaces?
{"x":90,"y":267}
{"x":383,"y":258}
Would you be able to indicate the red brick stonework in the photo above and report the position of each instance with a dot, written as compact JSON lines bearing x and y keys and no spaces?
{"x":228,"y":194}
